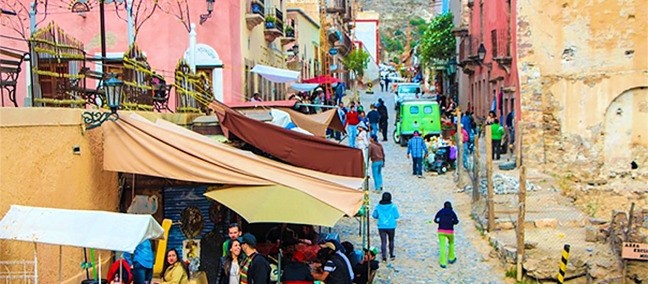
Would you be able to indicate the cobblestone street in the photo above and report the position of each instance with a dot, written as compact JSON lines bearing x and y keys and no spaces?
{"x":416,"y":241}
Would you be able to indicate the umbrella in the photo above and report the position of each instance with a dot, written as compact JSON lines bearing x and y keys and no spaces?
{"x":328,"y":79}
{"x":276,"y":204}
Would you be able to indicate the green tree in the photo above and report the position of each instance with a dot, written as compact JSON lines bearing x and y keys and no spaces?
{"x":356,"y":61}
{"x":438,"y":42}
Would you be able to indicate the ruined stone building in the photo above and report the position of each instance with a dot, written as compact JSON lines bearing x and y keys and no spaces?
{"x":584,"y":87}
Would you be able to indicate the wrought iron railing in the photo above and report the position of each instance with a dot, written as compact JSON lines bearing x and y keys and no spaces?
{"x":256,"y":7}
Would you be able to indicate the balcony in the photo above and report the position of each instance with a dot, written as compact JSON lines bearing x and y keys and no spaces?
{"x":289,"y":33}
{"x":255,"y":13}
{"x":501,"y":47}
{"x":343,"y":45}
{"x":273,"y":26}
{"x":467,"y":52}
{"x":336,"y":6}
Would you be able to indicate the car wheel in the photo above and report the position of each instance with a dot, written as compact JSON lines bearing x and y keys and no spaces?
{"x":403,"y":141}
{"x":396,"y":137}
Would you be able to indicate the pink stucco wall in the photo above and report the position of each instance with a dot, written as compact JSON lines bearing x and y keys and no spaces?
{"x":493,"y":15}
{"x":163,"y":38}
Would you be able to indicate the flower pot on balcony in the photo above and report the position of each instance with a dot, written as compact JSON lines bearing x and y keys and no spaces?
{"x":257,"y":8}
{"x":290,"y":33}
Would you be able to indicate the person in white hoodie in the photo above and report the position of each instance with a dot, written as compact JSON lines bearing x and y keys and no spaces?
{"x":362,"y":141}
{"x":386,"y":213}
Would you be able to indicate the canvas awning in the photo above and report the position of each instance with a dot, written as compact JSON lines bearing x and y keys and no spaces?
{"x":276,"y":75}
{"x":297,"y":149}
{"x":280,"y":205}
{"x":317,"y":123}
{"x":79,"y":228}
{"x":163,"y":149}
{"x":324,"y":79}
{"x":304,"y":87}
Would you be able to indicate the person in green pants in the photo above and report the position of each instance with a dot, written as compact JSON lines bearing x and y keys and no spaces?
{"x":446,"y":218}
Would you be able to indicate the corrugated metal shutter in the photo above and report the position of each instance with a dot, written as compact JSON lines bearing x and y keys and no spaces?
{"x":177,"y":199}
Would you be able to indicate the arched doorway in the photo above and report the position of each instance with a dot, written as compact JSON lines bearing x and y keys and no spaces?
{"x":208,"y":61}
{"x":626,"y":132}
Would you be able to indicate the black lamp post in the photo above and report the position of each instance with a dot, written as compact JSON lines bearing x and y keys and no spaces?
{"x":113,"y":90}
{"x":481,"y":52}
{"x":210,"y":9}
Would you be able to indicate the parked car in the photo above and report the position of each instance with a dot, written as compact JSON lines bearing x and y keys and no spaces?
{"x":421,"y":115}
{"x":407,"y":91}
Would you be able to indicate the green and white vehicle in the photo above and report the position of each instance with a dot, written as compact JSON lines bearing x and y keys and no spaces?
{"x":421,"y":115}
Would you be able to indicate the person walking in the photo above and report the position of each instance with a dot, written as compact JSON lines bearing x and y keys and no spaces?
{"x":377,"y":157}
{"x":418,"y":150}
{"x":384,"y":116}
{"x":374,"y":118}
{"x":386,"y":213}
{"x":446,"y":218}
{"x":497,"y":131}
{"x":142,"y":262}
{"x":255,"y":269}
{"x":351,"y":122}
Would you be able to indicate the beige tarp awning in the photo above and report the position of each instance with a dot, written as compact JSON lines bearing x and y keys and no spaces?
{"x":133,"y":144}
{"x":316,"y":123}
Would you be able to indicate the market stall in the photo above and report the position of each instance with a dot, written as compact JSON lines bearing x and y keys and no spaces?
{"x":78,"y":228}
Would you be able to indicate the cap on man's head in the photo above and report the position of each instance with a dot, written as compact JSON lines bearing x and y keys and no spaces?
{"x":372,"y":250}
{"x":329,"y":245}
{"x":248,"y":239}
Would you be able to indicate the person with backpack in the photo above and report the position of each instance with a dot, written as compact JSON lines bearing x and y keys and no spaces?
{"x":386,"y":213}
{"x":446,"y":218}
{"x":255,"y":268}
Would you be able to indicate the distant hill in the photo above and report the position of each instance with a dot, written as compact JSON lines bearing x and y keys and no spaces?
{"x":394,"y":15}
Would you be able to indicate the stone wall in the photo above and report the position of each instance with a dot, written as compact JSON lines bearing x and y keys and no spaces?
{"x":575,"y":60}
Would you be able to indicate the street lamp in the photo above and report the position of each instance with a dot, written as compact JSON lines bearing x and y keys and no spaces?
{"x":210,"y":8}
{"x":113,"y":90}
{"x":481,"y":52}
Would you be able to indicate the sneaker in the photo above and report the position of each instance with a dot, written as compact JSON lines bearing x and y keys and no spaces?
{"x":452,"y":261}
{"x":443,"y":266}
{"x":393,"y":257}
{"x":420,"y":176}
{"x":384,"y":259}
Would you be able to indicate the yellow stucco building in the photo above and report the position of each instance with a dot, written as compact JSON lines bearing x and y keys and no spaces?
{"x":263,"y":28}
{"x":307,"y":39}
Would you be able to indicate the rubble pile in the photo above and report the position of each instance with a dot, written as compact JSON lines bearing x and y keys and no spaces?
{"x":502,"y":184}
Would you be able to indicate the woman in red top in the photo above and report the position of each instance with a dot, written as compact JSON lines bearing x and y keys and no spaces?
{"x":352,"y":120}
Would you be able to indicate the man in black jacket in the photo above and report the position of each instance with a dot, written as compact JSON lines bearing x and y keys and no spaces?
{"x":384,"y":116}
{"x":255,"y":269}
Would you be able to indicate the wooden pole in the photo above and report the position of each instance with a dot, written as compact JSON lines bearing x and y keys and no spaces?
{"x":627,"y":239}
{"x":489,"y":178}
{"x":476,"y":184}
{"x":520,"y":222}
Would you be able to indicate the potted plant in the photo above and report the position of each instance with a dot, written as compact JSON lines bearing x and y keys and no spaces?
{"x":270,"y":22}
{"x":290,"y":31}
{"x":257,"y":8}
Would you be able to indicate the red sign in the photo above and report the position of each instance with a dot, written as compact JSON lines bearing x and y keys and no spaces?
{"x":634,"y":251}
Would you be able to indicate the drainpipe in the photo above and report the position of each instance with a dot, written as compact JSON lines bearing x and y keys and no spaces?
{"x":192,"y":47}
{"x":131,"y":28}
{"x":27,"y":102}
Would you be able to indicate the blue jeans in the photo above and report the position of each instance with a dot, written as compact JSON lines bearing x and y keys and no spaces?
{"x":466,"y":150}
{"x":417,"y":166}
{"x":376,"y":172}
{"x":374,"y":128}
{"x":141,"y":274}
{"x":387,"y":234}
{"x":352,"y":131}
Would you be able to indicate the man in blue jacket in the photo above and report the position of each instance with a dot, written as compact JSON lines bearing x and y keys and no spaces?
{"x":417,"y":148}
